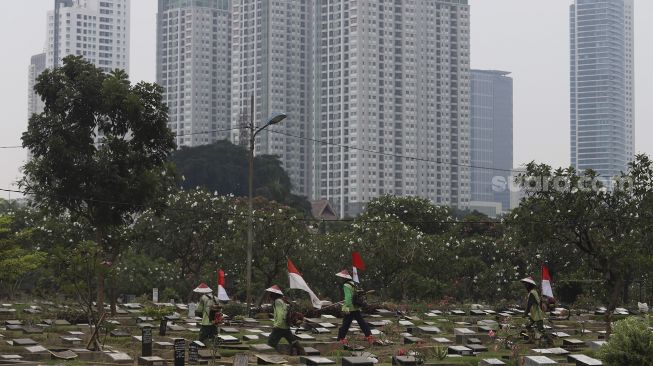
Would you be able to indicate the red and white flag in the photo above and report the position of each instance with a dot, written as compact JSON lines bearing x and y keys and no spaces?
{"x":546,"y":282}
{"x":222,"y":293}
{"x":297,"y":281}
{"x":356,"y":263}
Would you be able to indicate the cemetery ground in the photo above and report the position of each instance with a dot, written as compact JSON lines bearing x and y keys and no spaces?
{"x":36,"y":333}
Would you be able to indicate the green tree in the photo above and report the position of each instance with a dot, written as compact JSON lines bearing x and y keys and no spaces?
{"x":98,"y":150}
{"x":570,"y":217}
{"x":16,"y":261}
{"x":222,"y":167}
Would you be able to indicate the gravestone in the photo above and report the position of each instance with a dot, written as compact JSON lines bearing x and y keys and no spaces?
{"x":357,"y":361}
{"x":582,"y":360}
{"x":193,"y":353}
{"x":119,"y":357}
{"x":163,"y":326}
{"x":261,"y":347}
{"x":310,"y":351}
{"x":191,"y":310}
{"x":146,"y":342}
{"x":180,"y":351}
{"x":429,"y":330}
{"x":459,"y":350}
{"x":595,"y":345}
{"x":412,"y":340}
{"x":250,"y":337}
{"x":404,"y":361}
{"x":538,"y":361}
{"x":315,"y":361}
{"x":241,"y":359}
{"x":23,"y":342}
{"x":151,"y":361}
{"x":270,"y":360}
{"x":491,"y":362}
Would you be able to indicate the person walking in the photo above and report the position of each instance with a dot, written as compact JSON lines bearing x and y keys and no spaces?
{"x":351,"y":310}
{"x":206,"y":304}
{"x":280,"y":322}
{"x":534,"y":311}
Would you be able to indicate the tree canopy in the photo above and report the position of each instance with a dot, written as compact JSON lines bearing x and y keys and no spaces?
{"x":98,"y":150}
{"x":222,"y":167}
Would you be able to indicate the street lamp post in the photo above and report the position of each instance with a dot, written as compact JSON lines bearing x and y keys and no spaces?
{"x":276,"y":118}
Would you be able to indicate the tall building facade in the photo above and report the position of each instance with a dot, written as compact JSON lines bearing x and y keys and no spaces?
{"x":272,"y":58}
{"x":36,"y":67}
{"x":602,"y":85}
{"x":194,"y":68}
{"x":98,"y":30}
{"x":392,"y":84}
{"x":491,"y":141}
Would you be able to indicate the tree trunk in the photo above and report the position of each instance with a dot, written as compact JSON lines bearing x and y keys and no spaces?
{"x":615,"y":286}
{"x":100,"y":276}
{"x":112,"y":293}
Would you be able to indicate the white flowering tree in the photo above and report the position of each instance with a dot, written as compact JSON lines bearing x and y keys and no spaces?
{"x":571,"y":219}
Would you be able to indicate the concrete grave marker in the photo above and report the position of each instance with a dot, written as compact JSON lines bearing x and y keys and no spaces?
{"x":491,"y":362}
{"x":23,"y":342}
{"x":146,"y":342}
{"x":357,"y":361}
{"x":151,"y":361}
{"x":315,"y":360}
{"x":180,"y":351}
{"x":582,"y":360}
{"x":538,"y":361}
{"x":459,"y":350}
{"x":270,"y":359}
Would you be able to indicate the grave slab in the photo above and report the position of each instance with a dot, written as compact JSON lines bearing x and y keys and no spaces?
{"x":315,"y":360}
{"x":270,"y":359}
{"x":552,"y":351}
{"x":459,"y":350}
{"x":476,"y":348}
{"x":595,"y":345}
{"x":152,"y":361}
{"x":404,"y":360}
{"x":429,"y":330}
{"x":491,"y":362}
{"x":412,"y":340}
{"x":442,"y":340}
{"x":583,"y":360}
{"x":538,"y":361}
{"x":262,"y":347}
{"x":119,"y":357}
{"x":407,"y":323}
{"x":250,"y":337}
{"x":24,"y":342}
{"x":65,"y":354}
{"x":228,"y":330}
{"x":36,"y":349}
{"x":310,"y":351}
{"x":357,"y":361}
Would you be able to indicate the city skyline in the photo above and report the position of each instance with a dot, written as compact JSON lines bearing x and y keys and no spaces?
{"x":538,"y":107}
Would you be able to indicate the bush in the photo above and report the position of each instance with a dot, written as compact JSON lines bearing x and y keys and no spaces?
{"x":630,"y":344}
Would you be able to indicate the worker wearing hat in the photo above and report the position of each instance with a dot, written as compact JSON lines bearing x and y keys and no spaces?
{"x":534,"y":311}
{"x":350,"y":310}
{"x":280,"y":322}
{"x":207,"y":300}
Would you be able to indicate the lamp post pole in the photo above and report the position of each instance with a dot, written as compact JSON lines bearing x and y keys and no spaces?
{"x":276,"y":118}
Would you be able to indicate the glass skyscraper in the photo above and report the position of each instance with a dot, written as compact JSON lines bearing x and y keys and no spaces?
{"x":491,"y":140}
{"x":602,"y":85}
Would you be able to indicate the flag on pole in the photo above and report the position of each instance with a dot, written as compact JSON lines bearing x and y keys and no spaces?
{"x":297,"y":282}
{"x":222,"y":293}
{"x":546,"y":282}
{"x":356,"y":263}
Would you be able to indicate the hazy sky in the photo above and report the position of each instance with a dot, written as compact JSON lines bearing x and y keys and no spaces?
{"x":529,"y":38}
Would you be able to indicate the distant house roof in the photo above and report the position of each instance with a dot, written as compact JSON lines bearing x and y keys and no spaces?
{"x":322,"y":210}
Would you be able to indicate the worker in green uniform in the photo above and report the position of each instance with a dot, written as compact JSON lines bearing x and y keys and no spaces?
{"x":280,"y":325}
{"x":350,"y":310}
{"x":208,"y":329}
{"x":534,"y":311}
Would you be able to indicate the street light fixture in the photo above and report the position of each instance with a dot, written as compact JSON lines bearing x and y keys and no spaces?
{"x":276,"y":118}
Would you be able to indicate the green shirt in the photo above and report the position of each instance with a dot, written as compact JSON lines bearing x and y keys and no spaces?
{"x":205,"y":307}
{"x":348,"y":304}
{"x":535,"y":309}
{"x":280,"y":308}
